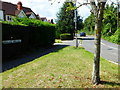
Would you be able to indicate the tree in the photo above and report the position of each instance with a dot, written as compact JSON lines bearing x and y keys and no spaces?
{"x":89,"y":24}
{"x":52,"y":21}
{"x":79,"y":23}
{"x":98,"y":13}
{"x":65,"y":19}
{"x":97,"y":9}
{"x":110,"y":20}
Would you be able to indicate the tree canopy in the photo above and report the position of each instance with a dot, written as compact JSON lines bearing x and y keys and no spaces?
{"x":65,"y":19}
{"x":109,"y":31}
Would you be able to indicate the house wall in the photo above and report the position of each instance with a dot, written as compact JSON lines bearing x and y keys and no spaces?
{"x":32,"y":16}
{"x":21,"y":14}
{"x":8,"y":17}
{"x":45,"y":20}
{"x":1,"y":15}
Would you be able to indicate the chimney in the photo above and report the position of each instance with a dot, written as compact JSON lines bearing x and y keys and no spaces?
{"x":19,"y":5}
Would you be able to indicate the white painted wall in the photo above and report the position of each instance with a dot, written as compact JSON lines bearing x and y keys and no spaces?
{"x":21,"y":14}
{"x":45,"y":20}
{"x":1,"y":15}
{"x":32,"y":16}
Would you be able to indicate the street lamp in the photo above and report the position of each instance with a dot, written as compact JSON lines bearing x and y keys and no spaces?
{"x":75,"y":19}
{"x":118,"y":12}
{"x":102,"y":0}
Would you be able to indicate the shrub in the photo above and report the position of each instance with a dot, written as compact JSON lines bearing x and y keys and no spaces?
{"x":35,"y":36}
{"x":66,"y":36}
{"x":116,"y":37}
{"x":32,"y":36}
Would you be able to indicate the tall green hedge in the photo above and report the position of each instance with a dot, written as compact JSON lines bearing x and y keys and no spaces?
{"x":33,"y":36}
{"x":66,"y":36}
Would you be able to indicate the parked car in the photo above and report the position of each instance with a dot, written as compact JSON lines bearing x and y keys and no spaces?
{"x":82,"y":34}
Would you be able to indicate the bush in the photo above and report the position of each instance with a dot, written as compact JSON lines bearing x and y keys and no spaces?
{"x":35,"y":36}
{"x":116,"y":37}
{"x":66,"y":36}
{"x":42,"y":35}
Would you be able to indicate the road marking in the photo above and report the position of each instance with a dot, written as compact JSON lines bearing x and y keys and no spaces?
{"x":108,"y":46}
{"x":114,"y":62}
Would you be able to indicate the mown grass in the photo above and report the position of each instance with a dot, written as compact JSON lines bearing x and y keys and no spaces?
{"x":69,"y":67}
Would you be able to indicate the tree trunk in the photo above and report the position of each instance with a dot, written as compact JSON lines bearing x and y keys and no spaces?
{"x":96,"y":64}
{"x":98,"y":29}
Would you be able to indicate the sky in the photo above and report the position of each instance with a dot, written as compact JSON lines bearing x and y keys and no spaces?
{"x":45,"y":9}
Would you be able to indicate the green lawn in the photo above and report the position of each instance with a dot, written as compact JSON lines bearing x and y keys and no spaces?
{"x":66,"y":68}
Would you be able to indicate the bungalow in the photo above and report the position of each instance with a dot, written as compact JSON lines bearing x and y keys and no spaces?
{"x":9,"y":10}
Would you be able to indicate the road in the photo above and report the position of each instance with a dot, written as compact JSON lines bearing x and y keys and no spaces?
{"x":109,"y":50}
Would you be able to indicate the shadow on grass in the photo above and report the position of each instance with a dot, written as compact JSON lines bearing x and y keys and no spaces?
{"x":109,"y":83}
{"x":30,"y":57}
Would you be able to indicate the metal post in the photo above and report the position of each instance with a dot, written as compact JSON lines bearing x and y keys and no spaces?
{"x":75,"y":11}
{"x":118,"y":11}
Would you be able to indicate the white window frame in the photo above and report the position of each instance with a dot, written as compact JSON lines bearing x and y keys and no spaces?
{"x":8,"y":18}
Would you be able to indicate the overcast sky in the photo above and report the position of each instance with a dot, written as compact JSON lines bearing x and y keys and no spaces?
{"x":45,"y":9}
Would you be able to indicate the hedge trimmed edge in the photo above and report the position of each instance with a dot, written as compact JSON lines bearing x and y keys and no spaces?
{"x":66,"y":36}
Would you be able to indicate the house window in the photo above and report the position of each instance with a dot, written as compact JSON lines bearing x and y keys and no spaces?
{"x":8,"y":18}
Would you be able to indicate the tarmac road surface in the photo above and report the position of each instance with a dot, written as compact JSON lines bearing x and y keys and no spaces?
{"x":109,"y":51}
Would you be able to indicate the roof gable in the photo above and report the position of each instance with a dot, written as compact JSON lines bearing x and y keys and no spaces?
{"x":21,"y":14}
{"x":32,"y":15}
{"x":11,"y":9}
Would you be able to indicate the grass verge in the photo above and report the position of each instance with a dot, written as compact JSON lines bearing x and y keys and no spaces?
{"x":69,"y":67}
